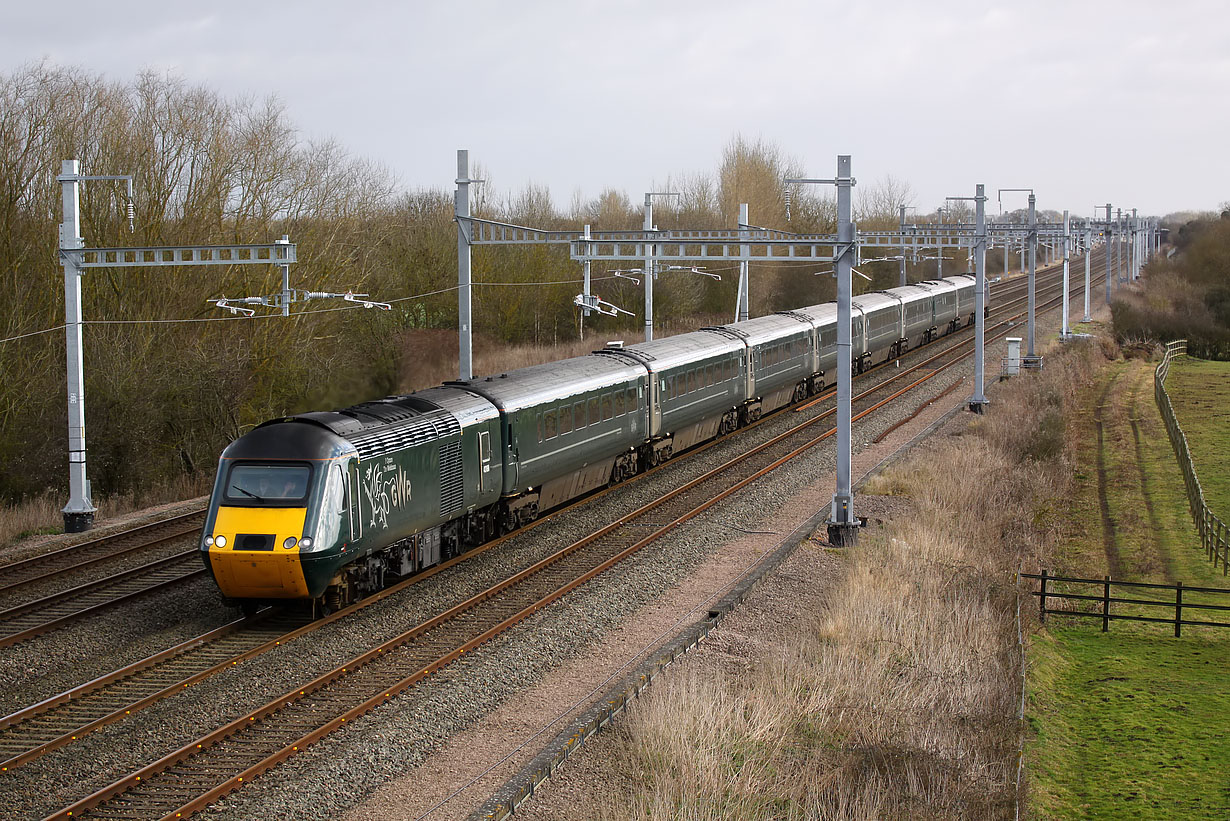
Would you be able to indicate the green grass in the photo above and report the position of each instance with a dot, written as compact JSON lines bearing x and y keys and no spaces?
{"x":1132,"y":723}
{"x":1200,"y":392}
{"x":1129,"y":724}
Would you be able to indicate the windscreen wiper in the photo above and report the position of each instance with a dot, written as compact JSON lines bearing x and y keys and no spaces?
{"x":247,"y":493}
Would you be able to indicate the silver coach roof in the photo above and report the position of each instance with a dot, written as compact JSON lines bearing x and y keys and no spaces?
{"x":470,"y":408}
{"x":769,"y":327}
{"x":921,"y":290}
{"x":937,"y":285}
{"x":876,"y":301}
{"x":821,"y":314}
{"x":536,"y":384}
{"x":681,"y":349}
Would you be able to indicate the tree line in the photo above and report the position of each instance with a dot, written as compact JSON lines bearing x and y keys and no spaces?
{"x":1188,"y":293}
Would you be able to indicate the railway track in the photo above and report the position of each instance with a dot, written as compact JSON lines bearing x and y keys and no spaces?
{"x":207,"y":768}
{"x":41,"y":615}
{"x":56,"y":722}
{"x":38,"y":569}
{"x":32,"y":618}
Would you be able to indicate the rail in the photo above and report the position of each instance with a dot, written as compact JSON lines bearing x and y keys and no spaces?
{"x":1105,"y":598}
{"x":1214,"y":536}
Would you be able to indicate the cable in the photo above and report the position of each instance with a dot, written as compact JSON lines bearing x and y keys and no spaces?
{"x":299,"y":313}
{"x":34,"y":333}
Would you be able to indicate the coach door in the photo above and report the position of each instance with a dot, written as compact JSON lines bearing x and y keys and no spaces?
{"x":354,"y":509}
{"x":486,"y":472}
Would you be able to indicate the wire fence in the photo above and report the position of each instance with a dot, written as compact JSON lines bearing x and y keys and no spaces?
{"x":1214,"y":537}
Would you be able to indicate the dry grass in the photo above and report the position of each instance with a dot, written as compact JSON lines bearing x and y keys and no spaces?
{"x":899,"y":698}
{"x":41,"y":515}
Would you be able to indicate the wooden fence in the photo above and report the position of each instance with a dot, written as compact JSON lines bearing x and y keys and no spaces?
{"x":1097,"y":594}
{"x":1214,"y":536}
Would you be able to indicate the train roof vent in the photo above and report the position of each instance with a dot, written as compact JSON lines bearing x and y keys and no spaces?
{"x":379,"y":413}
{"x":615,"y":345}
{"x":727,"y":330}
{"x":336,"y":422}
{"x":421,"y":429}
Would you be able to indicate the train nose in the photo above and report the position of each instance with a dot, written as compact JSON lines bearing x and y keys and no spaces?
{"x":249,"y":555}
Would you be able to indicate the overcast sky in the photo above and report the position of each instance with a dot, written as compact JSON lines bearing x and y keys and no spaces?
{"x":1085,"y":101}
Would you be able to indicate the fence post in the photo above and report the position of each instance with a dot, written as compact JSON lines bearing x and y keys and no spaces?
{"x":1105,"y":603}
{"x":1178,"y":608}
{"x":1042,"y":599}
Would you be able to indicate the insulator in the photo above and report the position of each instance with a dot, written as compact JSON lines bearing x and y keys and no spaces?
{"x":132,"y":214}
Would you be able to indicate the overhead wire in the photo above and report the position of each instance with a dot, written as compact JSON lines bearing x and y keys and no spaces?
{"x":297,"y":313}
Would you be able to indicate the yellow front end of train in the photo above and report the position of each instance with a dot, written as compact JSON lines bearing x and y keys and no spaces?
{"x":255,"y":552}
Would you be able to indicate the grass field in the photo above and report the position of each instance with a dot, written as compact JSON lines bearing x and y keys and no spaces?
{"x":1200,"y":392}
{"x":1132,"y":723}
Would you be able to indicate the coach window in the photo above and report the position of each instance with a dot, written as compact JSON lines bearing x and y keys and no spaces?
{"x":565,"y":419}
{"x":633,"y":404}
{"x":578,"y":415}
{"x":607,"y":411}
{"x":549,"y":424}
{"x":691,"y":381}
{"x":593,"y":410}
{"x":540,"y":427}
{"x":619,"y":403}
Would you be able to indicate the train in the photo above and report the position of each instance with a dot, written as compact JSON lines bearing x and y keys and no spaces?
{"x":326,"y":505}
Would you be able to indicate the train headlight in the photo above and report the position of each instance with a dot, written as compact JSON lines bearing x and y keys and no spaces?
{"x":305,"y":543}
{"x":220,"y":541}
{"x":209,"y":541}
{"x":290,"y":542}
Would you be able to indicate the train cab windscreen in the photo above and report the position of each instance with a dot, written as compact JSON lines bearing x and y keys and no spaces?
{"x":268,"y":484}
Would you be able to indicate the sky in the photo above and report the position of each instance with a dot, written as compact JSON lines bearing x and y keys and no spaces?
{"x":1085,"y":101}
